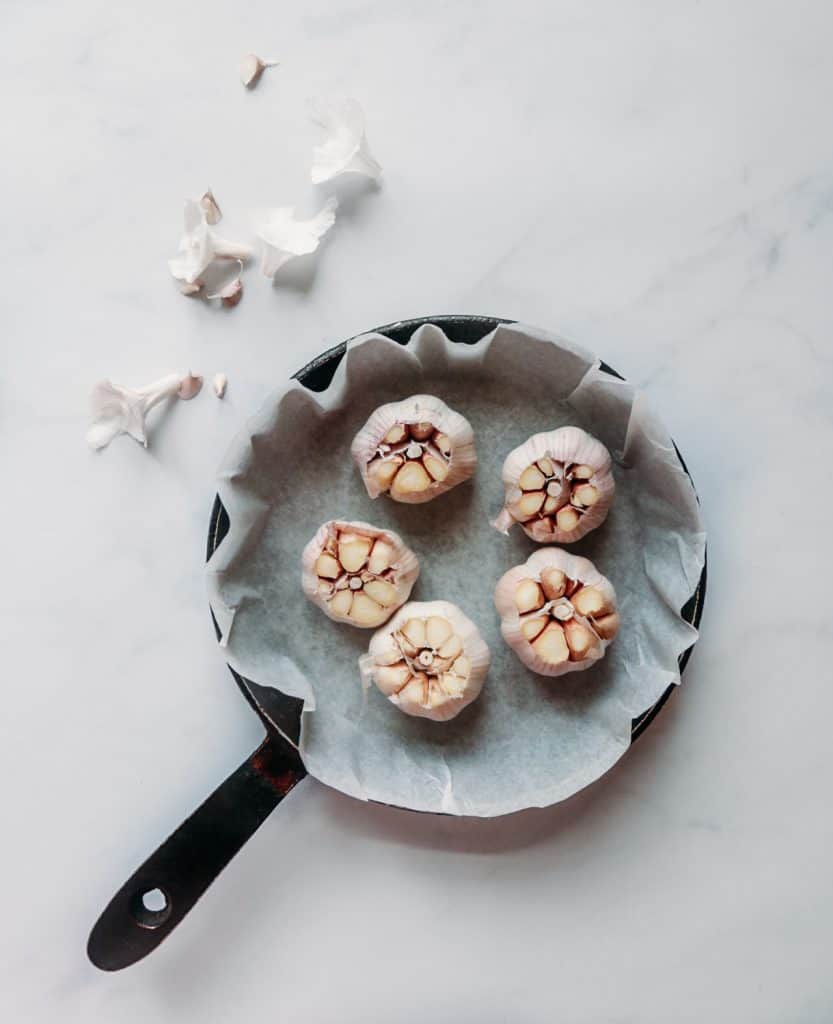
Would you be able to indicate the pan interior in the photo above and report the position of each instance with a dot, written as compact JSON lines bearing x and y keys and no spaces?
{"x":528,"y":740}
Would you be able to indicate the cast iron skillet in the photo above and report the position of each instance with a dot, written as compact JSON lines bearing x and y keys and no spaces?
{"x":189,"y":860}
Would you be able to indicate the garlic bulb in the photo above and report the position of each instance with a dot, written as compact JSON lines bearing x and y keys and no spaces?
{"x":429,"y":660}
{"x":358,"y":573}
{"x":559,"y":486}
{"x":557,"y":612}
{"x":414,"y":450}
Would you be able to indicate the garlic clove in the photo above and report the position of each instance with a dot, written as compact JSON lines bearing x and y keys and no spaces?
{"x":382,"y":592}
{"x":579,"y":639}
{"x":341,"y":603}
{"x":572,"y":470}
{"x":357,"y":573}
{"x":391,"y":678}
{"x":364,"y":610}
{"x":585,"y":496}
{"x":327,"y":566}
{"x":532,"y":627}
{"x":589,"y":601}
{"x":553,"y":582}
{"x":353,"y":551}
{"x":252,"y":67}
{"x":452,"y":647}
{"x":437,"y":631}
{"x":532,"y":479}
{"x":551,"y":645}
{"x":210,"y":208}
{"x":381,"y":557}
{"x":414,"y":632}
{"x":220,"y":383}
{"x":567,"y":519}
{"x":607,"y":626}
{"x":411,"y":479}
{"x":189,"y":387}
{"x":406,"y":664}
{"x":571,"y":628}
{"x":528,"y":596}
{"x":414,"y":450}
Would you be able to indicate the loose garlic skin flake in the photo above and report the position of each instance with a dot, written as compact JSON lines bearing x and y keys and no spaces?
{"x":429,"y":660}
{"x":557,"y":612}
{"x":414,"y":450}
{"x":357,"y":573}
{"x":559,"y":486}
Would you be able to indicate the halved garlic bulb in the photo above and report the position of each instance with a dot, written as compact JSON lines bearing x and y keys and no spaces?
{"x":559,"y":486}
{"x":357,"y":573}
{"x":557,"y":612}
{"x":429,"y":660}
{"x":414,"y":450}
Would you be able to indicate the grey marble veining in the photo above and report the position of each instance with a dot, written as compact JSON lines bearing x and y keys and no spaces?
{"x":653,"y":180}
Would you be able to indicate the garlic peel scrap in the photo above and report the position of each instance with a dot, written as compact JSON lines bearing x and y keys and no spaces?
{"x":557,"y":612}
{"x":357,"y":573}
{"x":559,"y":486}
{"x":414,"y":450}
{"x":283,"y":236}
{"x":199,"y":246}
{"x":345,"y":150}
{"x":429,"y":660}
{"x":119,"y":410}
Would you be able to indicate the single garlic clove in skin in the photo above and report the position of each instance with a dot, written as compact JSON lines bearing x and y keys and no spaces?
{"x":557,"y":612}
{"x":429,"y":660}
{"x":414,"y":450}
{"x":559,"y":486}
{"x":357,"y":573}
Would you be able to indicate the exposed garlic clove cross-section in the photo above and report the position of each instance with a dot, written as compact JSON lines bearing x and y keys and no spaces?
{"x":557,"y":612}
{"x":414,"y":450}
{"x":559,"y":486}
{"x":429,"y":660}
{"x":357,"y":573}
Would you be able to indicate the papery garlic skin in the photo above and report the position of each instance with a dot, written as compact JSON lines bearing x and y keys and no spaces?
{"x":557,"y":612}
{"x":559,"y":486}
{"x":358,"y":573}
{"x":119,"y":410}
{"x":199,"y":246}
{"x":429,"y":660}
{"x":283,"y":236}
{"x":414,"y":450}
{"x":345,"y":150}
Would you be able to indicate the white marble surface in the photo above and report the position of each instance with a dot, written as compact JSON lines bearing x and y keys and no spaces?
{"x":652,"y":179}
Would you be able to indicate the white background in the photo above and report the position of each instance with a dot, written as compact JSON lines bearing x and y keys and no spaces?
{"x":651,"y":179}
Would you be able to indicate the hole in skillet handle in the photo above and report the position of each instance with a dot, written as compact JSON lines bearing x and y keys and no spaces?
{"x":465,"y":330}
{"x":150,"y":908}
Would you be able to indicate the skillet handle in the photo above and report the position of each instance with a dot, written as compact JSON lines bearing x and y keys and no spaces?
{"x":191,"y":858}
